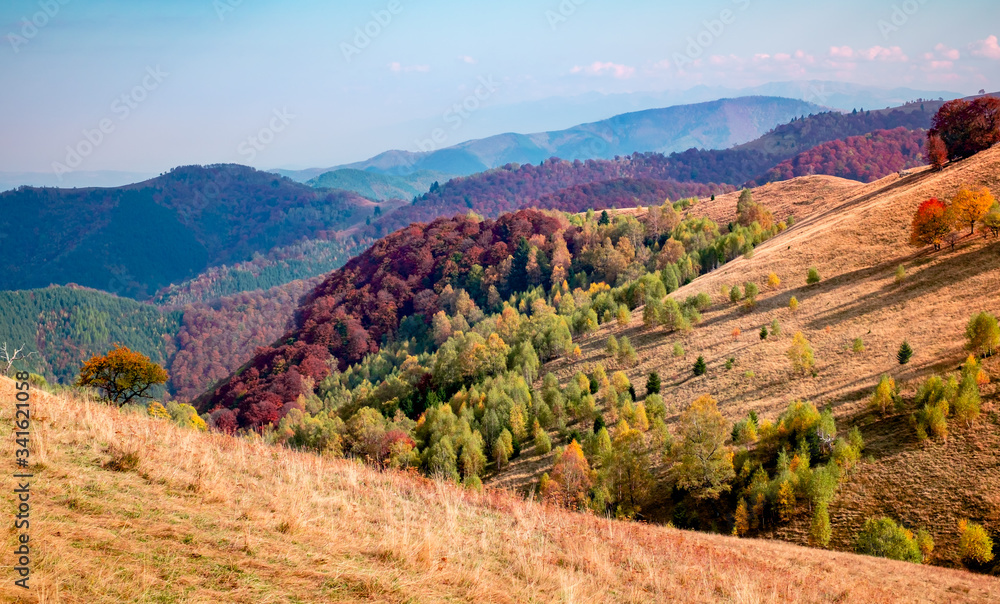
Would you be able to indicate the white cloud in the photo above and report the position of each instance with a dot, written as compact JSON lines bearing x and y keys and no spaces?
{"x":842,"y":52}
{"x":467,"y":59}
{"x":892,"y":54}
{"x":598,"y":68}
{"x":950,"y":54}
{"x":988,"y":48}
{"x":397,"y":67}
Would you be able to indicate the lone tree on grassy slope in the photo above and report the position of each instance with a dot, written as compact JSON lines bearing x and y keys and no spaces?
{"x":983,"y":334}
{"x":969,"y":207}
{"x":801,"y":354}
{"x":931,"y":224}
{"x":122,"y":374}
{"x":905,"y":353}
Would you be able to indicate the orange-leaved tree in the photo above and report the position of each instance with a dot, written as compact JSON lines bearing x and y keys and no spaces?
{"x":969,"y":207}
{"x":122,"y":375}
{"x":572,"y":476}
{"x":930,"y":224}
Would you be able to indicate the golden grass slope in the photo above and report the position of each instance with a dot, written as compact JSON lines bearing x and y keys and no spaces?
{"x":210,"y":518}
{"x":856,"y":236}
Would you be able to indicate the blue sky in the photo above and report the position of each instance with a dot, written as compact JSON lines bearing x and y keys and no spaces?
{"x":292,"y":84}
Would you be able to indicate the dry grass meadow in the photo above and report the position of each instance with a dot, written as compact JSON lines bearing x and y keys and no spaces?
{"x":211,"y":518}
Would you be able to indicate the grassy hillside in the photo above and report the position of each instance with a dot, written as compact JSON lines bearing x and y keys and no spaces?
{"x":855,"y":235}
{"x":205,"y":517}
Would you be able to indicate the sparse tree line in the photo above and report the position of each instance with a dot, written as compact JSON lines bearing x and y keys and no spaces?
{"x":938,"y":222}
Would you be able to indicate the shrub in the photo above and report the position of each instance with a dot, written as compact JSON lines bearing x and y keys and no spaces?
{"x":966,"y":403}
{"x":905,"y":353}
{"x":624,"y":316}
{"x":786,"y":501}
{"x":858,"y":346}
{"x":122,"y":459}
{"x":763,"y":333}
{"x":653,"y":383}
{"x":702,"y":301}
{"x":156,"y":410}
{"x":751,"y":292}
{"x":983,"y":334}
{"x":745,"y":431}
{"x":611,"y":348}
{"x":699,"y":366}
{"x":773,"y":281}
{"x":885,"y":395}
{"x":813,"y":276}
{"x":801,"y":354}
{"x":974,"y":543}
{"x":926,"y":544}
{"x":793,"y":304}
{"x":775,"y":328}
{"x":820,"y":529}
{"x":730,"y":362}
{"x":542,"y":443}
{"x":735,"y":294}
{"x":931,"y":420}
{"x":884,"y":538}
{"x":626,"y":353}
{"x":741,"y":525}
{"x":900,"y":274}
{"x":678,"y":349}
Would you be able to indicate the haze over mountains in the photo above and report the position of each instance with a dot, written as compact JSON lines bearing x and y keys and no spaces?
{"x":541,"y":115}
{"x":712,"y":125}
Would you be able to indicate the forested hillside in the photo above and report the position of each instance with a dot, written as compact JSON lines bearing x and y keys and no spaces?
{"x":377,"y":186}
{"x":65,"y":326}
{"x":60,"y":328}
{"x":136,"y":239}
{"x":863,"y":158}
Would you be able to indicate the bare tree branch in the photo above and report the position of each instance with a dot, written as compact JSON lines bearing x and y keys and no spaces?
{"x":7,"y":358}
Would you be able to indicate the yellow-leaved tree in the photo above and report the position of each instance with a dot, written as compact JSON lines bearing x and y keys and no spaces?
{"x":704,"y":463}
{"x":969,"y":207}
{"x":122,"y":375}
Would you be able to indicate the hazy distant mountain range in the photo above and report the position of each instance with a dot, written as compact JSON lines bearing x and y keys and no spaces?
{"x":545,"y":115}
{"x":712,"y":125}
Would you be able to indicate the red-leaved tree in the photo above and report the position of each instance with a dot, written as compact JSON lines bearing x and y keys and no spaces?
{"x":930,"y":224}
{"x":937,"y":153}
{"x":967,"y":127}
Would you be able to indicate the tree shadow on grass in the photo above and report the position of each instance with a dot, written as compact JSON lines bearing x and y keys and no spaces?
{"x":947,"y":271}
